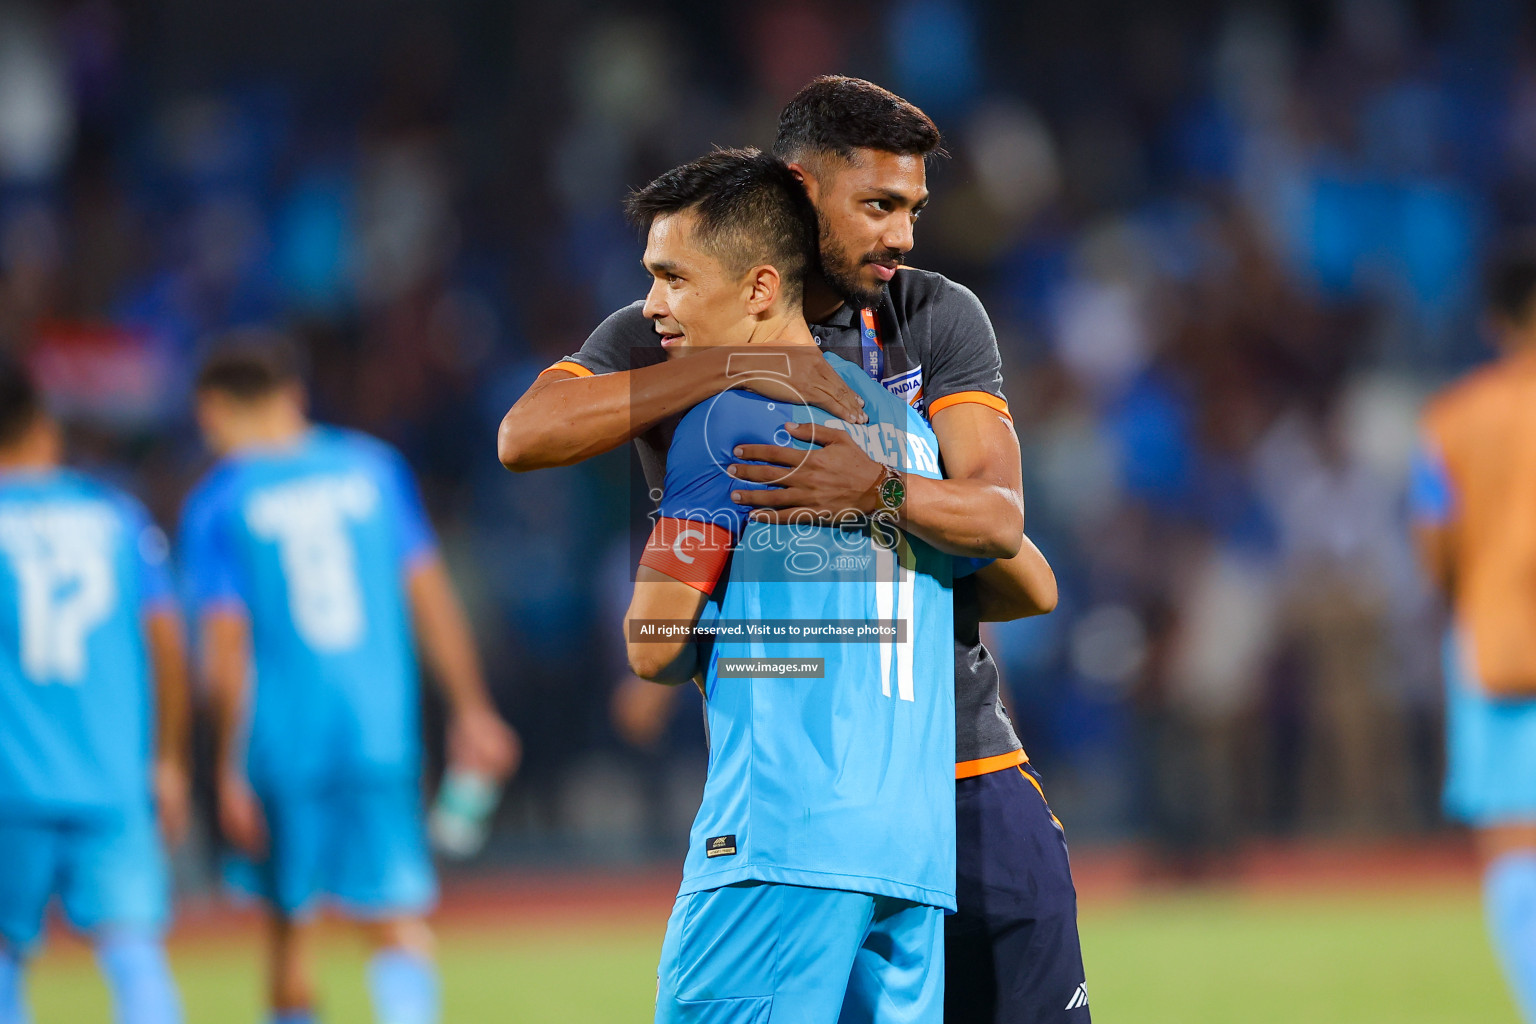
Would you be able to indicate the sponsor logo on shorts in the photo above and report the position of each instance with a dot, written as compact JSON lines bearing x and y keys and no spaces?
{"x":1079,"y":998}
{"x":720,"y":846}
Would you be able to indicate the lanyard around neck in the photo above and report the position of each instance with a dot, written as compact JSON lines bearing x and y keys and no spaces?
{"x":872,"y":353}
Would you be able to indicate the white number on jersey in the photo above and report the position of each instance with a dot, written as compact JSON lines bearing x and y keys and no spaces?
{"x":893,"y":604}
{"x":308,"y":519}
{"x":61,"y":555}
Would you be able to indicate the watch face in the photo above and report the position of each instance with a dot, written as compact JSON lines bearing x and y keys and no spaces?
{"x":892,"y":492}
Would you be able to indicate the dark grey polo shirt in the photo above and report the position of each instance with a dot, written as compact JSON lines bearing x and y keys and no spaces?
{"x":937,"y":340}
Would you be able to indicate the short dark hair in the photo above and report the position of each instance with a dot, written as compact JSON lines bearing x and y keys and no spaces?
{"x":1510,"y":279}
{"x":250,"y":364}
{"x":20,"y":401}
{"x":751,"y":210}
{"x":836,"y":114}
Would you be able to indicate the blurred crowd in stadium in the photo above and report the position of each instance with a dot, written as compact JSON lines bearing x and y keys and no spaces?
{"x":1227,"y":250}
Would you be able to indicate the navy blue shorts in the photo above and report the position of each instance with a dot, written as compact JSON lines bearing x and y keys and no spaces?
{"x":1011,"y":953}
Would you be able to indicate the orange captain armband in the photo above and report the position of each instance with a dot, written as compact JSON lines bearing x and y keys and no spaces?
{"x":689,"y":551}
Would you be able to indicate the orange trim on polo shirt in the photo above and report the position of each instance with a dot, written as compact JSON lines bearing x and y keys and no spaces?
{"x":978,"y":397}
{"x":569,"y":366}
{"x":988,"y":765}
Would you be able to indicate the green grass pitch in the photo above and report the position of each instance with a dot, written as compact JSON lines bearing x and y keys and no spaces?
{"x":1196,"y":957}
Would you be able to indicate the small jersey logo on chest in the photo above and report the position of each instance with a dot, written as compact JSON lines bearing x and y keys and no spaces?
{"x":907,"y":386}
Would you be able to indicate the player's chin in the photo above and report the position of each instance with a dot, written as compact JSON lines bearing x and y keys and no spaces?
{"x":871,"y":285}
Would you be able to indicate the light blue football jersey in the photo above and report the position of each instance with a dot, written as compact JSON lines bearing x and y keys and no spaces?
{"x":314,"y":543}
{"x":844,"y":781}
{"x":80,"y":566}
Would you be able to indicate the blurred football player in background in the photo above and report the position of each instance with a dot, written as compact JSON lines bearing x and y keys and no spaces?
{"x":313,"y":573}
{"x":93,"y":715}
{"x":1474,"y":507}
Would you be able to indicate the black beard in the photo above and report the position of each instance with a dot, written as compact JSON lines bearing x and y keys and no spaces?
{"x":842,"y":273}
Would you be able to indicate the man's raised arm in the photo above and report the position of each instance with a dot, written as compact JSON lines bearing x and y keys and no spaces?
{"x":1017,"y":587}
{"x":976,"y":511}
{"x":570,"y":414}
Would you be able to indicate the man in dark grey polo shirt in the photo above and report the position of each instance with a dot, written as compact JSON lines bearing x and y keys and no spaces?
{"x":1012,"y":950}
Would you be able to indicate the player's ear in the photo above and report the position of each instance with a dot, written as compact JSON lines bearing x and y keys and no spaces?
{"x":763,"y":285}
{"x":806,"y":177}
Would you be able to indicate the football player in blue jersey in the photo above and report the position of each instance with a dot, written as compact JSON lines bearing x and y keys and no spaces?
{"x":313,"y":572}
{"x":823,"y":855}
{"x":93,"y":715}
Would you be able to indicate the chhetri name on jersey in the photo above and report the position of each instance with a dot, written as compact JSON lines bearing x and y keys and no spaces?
{"x":889,"y":445}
